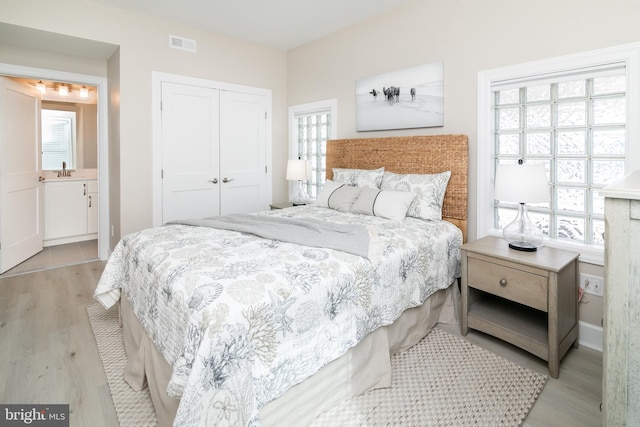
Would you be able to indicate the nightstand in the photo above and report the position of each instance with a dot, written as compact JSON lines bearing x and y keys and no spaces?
{"x":529,"y":299}
{"x":280,"y":205}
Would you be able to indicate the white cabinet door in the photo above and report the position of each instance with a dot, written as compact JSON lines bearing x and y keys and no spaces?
{"x":92,"y":207}
{"x":65,"y":209}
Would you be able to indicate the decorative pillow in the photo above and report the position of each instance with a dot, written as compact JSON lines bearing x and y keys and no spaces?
{"x":338,"y":196}
{"x":387,"y":204}
{"x":359,"y":177}
{"x":430,"y":189}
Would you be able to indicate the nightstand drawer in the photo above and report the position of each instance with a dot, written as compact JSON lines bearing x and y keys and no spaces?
{"x":510,"y":283}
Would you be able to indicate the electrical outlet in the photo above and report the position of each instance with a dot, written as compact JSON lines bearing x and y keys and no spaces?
{"x":593,"y":285}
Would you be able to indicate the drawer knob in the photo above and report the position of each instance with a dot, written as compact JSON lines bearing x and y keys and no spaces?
{"x":503,"y":282}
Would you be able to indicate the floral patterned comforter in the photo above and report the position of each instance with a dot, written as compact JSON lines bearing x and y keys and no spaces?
{"x":241,"y":319}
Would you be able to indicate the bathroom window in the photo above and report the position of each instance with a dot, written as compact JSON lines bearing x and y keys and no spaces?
{"x":58,"y":139}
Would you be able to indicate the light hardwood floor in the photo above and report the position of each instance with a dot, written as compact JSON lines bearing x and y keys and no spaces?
{"x":49,"y":354}
{"x":57,"y":256}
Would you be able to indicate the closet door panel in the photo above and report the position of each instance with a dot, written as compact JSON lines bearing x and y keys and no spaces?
{"x":190,"y":152}
{"x":243,"y":152}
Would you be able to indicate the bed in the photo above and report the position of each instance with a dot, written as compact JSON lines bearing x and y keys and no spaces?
{"x":271,"y":332}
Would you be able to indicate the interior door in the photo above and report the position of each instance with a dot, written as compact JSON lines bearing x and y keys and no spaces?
{"x":21,"y":197}
{"x":243,"y":152}
{"x":190,"y":152}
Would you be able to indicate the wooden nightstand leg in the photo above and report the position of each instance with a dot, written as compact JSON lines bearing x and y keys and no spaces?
{"x":464,"y":290}
{"x":554,"y":340}
{"x":554,"y":357}
{"x":554,"y":368}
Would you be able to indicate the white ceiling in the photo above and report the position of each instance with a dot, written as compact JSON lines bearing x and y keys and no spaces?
{"x":279,"y":24}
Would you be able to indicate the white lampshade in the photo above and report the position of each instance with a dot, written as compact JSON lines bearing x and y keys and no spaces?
{"x":299,"y":170}
{"x":522,"y":184}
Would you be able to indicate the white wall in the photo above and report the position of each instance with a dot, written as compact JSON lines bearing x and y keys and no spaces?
{"x":144,"y":47}
{"x":468,"y":36}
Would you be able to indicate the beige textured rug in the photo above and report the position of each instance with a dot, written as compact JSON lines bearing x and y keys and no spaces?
{"x":133,"y":408}
{"x":442,"y":381}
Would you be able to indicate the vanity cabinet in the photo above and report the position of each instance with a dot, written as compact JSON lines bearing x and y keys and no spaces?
{"x":70,"y":211}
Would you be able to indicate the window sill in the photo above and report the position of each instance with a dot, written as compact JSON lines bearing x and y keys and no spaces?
{"x":589,"y":254}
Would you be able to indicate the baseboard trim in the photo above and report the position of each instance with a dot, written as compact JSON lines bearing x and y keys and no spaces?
{"x":590,"y":335}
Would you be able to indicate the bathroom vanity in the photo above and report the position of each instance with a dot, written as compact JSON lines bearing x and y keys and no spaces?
{"x":70,"y":208}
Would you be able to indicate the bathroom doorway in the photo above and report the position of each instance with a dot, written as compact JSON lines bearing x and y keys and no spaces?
{"x":91,"y":159}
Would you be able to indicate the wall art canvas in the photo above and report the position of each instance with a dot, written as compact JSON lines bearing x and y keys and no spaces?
{"x":403,"y":99}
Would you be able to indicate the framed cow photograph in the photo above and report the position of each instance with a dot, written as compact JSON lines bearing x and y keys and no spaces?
{"x":403,"y":99}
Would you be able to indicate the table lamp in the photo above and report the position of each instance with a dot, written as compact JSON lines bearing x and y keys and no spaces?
{"x":522,"y":184}
{"x":299,"y":170}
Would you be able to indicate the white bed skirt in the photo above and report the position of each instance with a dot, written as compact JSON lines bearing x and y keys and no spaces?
{"x":364,"y":367}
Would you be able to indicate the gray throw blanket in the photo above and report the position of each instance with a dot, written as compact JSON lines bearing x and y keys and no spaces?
{"x":349,"y":238}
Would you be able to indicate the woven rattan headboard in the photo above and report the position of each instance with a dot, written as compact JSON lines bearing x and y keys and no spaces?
{"x":412,"y":154}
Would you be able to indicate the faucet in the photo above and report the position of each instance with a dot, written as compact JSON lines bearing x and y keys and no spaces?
{"x":64,"y":171}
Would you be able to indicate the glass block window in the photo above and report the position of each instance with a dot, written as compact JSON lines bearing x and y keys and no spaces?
{"x":312,"y":125}
{"x":575,"y":125}
{"x":58,"y":139}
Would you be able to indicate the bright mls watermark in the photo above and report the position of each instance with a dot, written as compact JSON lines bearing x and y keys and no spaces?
{"x":34,"y":415}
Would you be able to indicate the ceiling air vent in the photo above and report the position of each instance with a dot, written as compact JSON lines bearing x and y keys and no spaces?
{"x":182,"y":43}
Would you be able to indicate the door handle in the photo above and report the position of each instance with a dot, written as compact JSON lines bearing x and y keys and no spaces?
{"x":225,"y":179}
{"x":214,"y":180}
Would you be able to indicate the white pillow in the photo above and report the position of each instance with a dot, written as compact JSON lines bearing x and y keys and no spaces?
{"x":338,"y":196}
{"x":430,"y":189}
{"x":387,"y":204}
{"x":359,"y":177}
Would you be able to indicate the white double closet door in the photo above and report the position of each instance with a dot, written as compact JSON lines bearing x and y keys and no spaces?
{"x":214,"y":152}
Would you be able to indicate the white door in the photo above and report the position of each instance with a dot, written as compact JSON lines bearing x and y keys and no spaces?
{"x":190,"y":151}
{"x":21,"y":201}
{"x":214,"y":152}
{"x":243,"y":152}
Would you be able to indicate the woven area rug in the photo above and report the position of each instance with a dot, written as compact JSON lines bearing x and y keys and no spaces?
{"x":133,"y":408}
{"x":443,"y":380}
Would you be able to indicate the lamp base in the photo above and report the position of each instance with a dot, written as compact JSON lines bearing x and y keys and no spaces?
{"x":522,"y":234}
{"x":299,"y":197}
{"x":523,"y":246}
